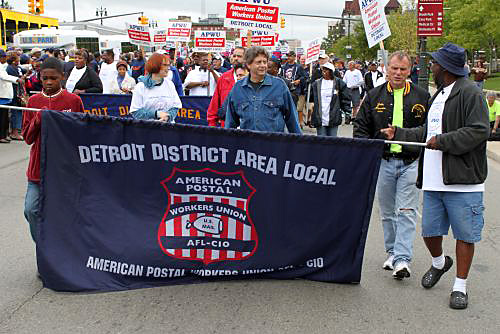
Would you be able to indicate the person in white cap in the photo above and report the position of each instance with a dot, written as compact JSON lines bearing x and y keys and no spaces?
{"x":331,"y":97}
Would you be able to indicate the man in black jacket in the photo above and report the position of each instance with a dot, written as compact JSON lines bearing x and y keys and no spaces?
{"x":294,"y":73}
{"x":395,"y":102}
{"x":372,"y":76}
{"x":452,"y":168}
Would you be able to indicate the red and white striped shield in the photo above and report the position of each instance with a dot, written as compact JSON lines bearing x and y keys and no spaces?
{"x":207,"y":217}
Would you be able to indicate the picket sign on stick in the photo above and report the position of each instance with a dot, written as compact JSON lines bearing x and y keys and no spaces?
{"x":249,"y":38}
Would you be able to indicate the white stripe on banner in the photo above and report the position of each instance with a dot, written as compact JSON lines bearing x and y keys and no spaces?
{"x":231,"y":234}
{"x":247,"y":233}
{"x":185,"y":231}
{"x":169,"y":230}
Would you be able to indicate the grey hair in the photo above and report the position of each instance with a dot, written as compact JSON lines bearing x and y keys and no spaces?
{"x":400,"y":55}
{"x":490,"y":93}
{"x":253,"y":52}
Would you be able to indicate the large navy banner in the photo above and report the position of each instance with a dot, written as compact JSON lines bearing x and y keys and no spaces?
{"x":193,"y":111}
{"x":132,"y":204}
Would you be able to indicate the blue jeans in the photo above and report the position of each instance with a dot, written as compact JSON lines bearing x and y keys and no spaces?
{"x":32,"y":208}
{"x":329,"y":131}
{"x":398,"y":201}
{"x":16,"y":119}
{"x":462,"y":211}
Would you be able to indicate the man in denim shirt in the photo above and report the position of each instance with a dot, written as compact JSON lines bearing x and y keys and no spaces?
{"x":261,"y":102}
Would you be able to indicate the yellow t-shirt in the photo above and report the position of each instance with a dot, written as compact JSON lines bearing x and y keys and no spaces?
{"x":397,"y":116}
{"x":494,"y":110}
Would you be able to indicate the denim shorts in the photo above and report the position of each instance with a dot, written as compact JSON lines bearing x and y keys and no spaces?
{"x":462,"y":211}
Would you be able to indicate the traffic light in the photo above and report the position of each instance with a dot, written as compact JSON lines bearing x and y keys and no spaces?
{"x":143,"y":20}
{"x":282,"y":22}
{"x":31,"y":7}
{"x":39,"y":7}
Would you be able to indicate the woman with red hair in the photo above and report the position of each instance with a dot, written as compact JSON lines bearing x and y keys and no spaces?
{"x":155,"y":97}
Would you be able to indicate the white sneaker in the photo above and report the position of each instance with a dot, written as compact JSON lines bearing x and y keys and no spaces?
{"x":402,"y":270}
{"x":388,"y":263}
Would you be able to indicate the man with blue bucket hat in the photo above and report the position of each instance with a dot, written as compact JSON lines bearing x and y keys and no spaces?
{"x":452,"y":168}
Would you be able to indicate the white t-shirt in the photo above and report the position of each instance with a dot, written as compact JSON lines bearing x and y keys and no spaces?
{"x":353,"y":79}
{"x":326,"y":99}
{"x":158,"y":98}
{"x":433,"y":159}
{"x":198,"y":75}
{"x":75,"y":76}
{"x":107,"y":74}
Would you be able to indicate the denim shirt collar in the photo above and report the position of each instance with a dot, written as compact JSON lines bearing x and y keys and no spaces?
{"x":267,"y":80}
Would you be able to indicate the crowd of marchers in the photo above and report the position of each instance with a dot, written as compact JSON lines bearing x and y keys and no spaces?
{"x":252,"y":90}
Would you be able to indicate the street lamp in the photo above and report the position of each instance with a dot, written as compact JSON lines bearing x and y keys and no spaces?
{"x":101,"y":12}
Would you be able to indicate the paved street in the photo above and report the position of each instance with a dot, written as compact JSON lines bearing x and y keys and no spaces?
{"x":378,"y":305}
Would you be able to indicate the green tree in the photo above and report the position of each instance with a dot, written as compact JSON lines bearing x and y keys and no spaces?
{"x":360,"y":49}
{"x":329,"y":41}
{"x":403,"y":26}
{"x":475,"y":24}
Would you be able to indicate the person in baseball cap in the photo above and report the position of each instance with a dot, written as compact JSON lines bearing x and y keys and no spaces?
{"x":36,"y":53}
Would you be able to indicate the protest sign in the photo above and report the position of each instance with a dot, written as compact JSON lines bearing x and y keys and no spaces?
{"x":230,"y":45}
{"x":138,"y":34}
{"x":209,"y":41}
{"x":313,"y":50}
{"x":193,"y":111}
{"x":179,"y":31}
{"x":259,"y":38}
{"x":129,"y":204}
{"x":374,"y":20}
{"x":252,"y":14}
{"x":159,"y":37}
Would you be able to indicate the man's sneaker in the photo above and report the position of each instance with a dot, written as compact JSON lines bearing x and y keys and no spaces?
{"x":459,"y":300}
{"x":388,"y":263}
{"x":401,"y":270}
{"x":433,"y":275}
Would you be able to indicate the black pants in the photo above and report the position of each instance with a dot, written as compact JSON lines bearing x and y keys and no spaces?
{"x":4,"y":123}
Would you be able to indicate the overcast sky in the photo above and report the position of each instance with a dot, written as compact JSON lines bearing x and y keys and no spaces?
{"x":161,"y":10}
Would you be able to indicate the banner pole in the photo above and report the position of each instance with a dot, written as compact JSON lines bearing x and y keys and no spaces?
{"x":308,"y":92}
{"x":407,"y":143}
{"x":2,"y":106}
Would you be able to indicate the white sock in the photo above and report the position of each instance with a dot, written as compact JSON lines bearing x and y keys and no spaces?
{"x":438,"y":262}
{"x":460,"y":285}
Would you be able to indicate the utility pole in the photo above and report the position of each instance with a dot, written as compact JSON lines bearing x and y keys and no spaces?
{"x":74,"y":13}
{"x":423,"y":74}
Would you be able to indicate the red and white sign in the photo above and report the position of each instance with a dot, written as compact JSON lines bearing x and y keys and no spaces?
{"x":209,"y":41}
{"x":160,"y":37}
{"x":430,"y":18}
{"x":259,"y":38}
{"x":252,"y":14}
{"x":313,"y":50}
{"x":139,"y":34}
{"x":179,"y":31}
{"x":374,"y":21}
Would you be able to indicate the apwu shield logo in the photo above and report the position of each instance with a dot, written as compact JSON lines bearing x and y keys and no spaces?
{"x":207,"y":216}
